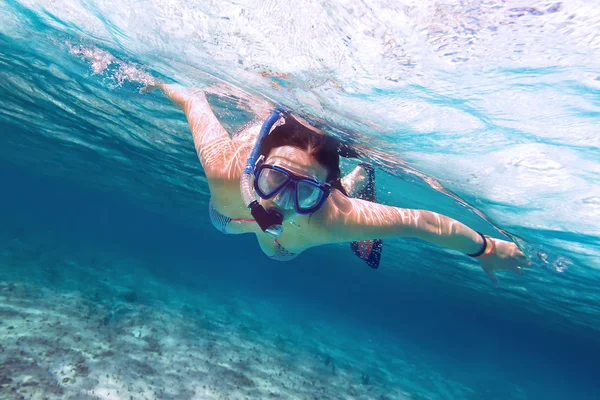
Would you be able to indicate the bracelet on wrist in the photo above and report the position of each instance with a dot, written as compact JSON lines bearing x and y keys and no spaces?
{"x":483,"y":247}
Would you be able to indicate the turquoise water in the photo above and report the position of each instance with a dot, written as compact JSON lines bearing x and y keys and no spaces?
{"x":114,"y":285}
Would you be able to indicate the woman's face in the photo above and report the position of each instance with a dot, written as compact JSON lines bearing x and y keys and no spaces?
{"x":299,"y":162}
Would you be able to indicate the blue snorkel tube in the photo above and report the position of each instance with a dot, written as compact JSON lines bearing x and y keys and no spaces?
{"x":270,"y":221}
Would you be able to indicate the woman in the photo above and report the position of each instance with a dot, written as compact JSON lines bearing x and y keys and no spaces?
{"x":293,"y":198}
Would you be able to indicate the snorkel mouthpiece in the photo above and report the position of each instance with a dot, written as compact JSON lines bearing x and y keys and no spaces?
{"x":270,"y":221}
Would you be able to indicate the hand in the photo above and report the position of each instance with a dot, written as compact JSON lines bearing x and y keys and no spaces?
{"x":249,"y":102}
{"x":506,"y":256}
{"x":151,"y":86}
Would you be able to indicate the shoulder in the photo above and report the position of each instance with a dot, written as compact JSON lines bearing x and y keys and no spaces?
{"x":229,"y":167}
{"x":231,"y":156}
{"x":330,"y":219}
{"x":345,"y":219}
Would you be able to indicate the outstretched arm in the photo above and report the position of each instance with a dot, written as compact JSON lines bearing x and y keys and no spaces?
{"x":212,"y":142}
{"x":348,"y":219}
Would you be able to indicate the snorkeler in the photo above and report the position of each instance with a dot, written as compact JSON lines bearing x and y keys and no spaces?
{"x":282,"y":182}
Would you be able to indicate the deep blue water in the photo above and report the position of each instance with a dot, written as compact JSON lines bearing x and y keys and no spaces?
{"x":99,"y":180}
{"x":492,"y":344}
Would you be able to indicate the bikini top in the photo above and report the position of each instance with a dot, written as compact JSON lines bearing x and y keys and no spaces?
{"x":220,"y":222}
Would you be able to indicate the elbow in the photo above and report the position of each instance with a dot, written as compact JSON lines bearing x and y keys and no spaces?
{"x":429,"y":225}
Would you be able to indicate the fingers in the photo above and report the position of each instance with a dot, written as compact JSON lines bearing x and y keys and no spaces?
{"x":515,"y":267}
{"x":521,"y":261}
{"x":150,"y":87}
{"x":492,"y":277}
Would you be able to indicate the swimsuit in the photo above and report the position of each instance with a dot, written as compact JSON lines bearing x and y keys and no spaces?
{"x":220,"y":222}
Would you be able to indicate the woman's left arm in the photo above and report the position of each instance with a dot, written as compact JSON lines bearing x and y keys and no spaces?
{"x":346,"y":219}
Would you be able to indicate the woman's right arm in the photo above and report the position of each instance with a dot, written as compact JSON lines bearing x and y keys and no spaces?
{"x":213,"y":144}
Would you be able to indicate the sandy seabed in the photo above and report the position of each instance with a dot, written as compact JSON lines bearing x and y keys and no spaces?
{"x":116,"y":331}
{"x":57,"y":346}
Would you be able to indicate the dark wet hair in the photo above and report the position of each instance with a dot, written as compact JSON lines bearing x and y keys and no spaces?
{"x":325,"y":149}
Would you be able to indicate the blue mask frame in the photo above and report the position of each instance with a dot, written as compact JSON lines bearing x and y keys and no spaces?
{"x":292,"y":179}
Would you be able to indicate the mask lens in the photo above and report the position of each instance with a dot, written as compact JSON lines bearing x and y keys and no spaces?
{"x":270,"y":181}
{"x":309,"y":195}
{"x":285,"y":199}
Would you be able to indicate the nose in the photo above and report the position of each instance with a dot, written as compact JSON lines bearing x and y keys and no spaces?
{"x":285,"y":199}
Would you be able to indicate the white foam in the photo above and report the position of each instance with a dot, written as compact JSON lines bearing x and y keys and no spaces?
{"x":531,"y":185}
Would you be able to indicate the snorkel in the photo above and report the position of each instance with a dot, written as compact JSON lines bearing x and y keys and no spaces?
{"x":270,"y":221}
